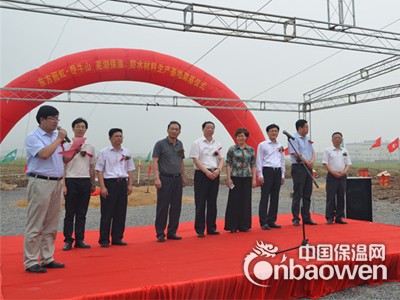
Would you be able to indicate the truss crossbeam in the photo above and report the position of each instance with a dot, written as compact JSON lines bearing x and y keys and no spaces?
{"x":381,"y":93}
{"x":184,"y":16}
{"x":377,"y":69}
{"x":61,"y":96}
{"x":40,"y":95}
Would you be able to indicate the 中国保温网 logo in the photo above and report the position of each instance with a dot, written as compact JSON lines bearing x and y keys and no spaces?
{"x":345,"y":261}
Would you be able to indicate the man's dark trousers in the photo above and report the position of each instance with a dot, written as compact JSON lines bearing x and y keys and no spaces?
{"x":113,"y":210}
{"x":205,"y":195}
{"x":270,"y":191}
{"x":302,"y":189}
{"x":76,"y":206}
{"x":335,"y":190}
{"x":169,"y":202}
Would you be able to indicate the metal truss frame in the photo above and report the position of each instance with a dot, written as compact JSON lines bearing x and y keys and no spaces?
{"x":343,"y":10}
{"x":377,"y":69}
{"x":376,"y":94}
{"x":67,"y":96}
{"x":201,"y":18}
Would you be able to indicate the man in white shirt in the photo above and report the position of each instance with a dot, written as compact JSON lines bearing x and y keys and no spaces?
{"x":208,"y":163}
{"x":271,"y":175}
{"x":337,"y":162}
{"x":115,"y":174}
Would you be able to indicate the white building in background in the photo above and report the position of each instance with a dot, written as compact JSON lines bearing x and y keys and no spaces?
{"x":361,"y":152}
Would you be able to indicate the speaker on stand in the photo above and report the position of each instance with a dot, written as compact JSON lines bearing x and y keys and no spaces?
{"x":359,"y":198}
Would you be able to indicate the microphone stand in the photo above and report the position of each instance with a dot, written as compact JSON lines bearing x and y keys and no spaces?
{"x":304,"y":242}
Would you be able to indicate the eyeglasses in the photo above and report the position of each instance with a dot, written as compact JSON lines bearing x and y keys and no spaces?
{"x":53,"y":119}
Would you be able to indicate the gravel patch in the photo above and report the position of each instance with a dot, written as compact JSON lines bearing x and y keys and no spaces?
{"x":13,"y":220}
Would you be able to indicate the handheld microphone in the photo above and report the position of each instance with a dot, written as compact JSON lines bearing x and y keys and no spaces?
{"x":288,"y":134}
{"x":66,"y":137}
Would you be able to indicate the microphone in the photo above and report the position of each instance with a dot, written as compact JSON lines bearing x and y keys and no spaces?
{"x":289,"y":136}
{"x":66,"y":137}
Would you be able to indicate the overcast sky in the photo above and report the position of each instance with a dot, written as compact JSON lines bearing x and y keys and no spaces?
{"x":247,"y":67}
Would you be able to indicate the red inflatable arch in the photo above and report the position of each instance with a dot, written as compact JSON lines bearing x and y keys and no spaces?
{"x":79,"y":69}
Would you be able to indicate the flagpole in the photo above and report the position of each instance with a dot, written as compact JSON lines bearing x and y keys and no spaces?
{"x":148,"y":183}
{"x":148,"y":159}
{"x":380,"y":157}
{"x":138,"y":175}
{"x":148,"y":177}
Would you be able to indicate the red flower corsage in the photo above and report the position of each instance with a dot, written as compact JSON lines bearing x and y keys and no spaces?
{"x":84,"y":153}
{"x":281,"y":149}
{"x":216,"y":153}
{"x":310,"y":142}
{"x":127,"y":157}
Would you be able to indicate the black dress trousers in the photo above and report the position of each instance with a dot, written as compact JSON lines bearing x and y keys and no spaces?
{"x":169,"y":203}
{"x":205,"y":197}
{"x":113,"y":210}
{"x":302,"y":190}
{"x":268,"y":209}
{"x":76,"y":207}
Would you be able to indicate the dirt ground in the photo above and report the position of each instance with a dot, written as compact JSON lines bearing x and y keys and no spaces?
{"x":139,"y":197}
{"x":9,"y":181}
{"x":389,"y":192}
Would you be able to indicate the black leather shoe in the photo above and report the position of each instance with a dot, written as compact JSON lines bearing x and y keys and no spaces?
{"x":296,"y":223}
{"x":54,"y":265}
{"x":265,"y":227}
{"x":213,"y":232}
{"x":119,"y":243}
{"x":274,"y":225}
{"x":36,"y":269}
{"x":340,"y":221}
{"x":161,"y":239}
{"x":104,"y":245}
{"x":67,"y":246}
{"x":244,"y":230}
{"x":329,"y":222}
{"x":201,"y":235}
{"x":310,"y":222}
{"x":81,"y":244}
{"x":174,"y":237}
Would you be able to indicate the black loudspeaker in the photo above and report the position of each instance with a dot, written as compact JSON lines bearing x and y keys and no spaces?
{"x":359,"y":198}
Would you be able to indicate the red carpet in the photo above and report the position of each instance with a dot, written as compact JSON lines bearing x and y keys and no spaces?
{"x":191,"y":268}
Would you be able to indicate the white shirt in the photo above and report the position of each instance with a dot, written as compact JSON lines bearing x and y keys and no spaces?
{"x":79,"y":166}
{"x":113,"y":163}
{"x":337,"y":159}
{"x":270,"y":154}
{"x":208,"y":153}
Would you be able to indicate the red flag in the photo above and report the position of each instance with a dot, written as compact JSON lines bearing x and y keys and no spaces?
{"x":287,"y":151}
{"x":377,"y":143}
{"x":393,"y":145}
{"x":25,"y":168}
{"x":149,"y":170}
